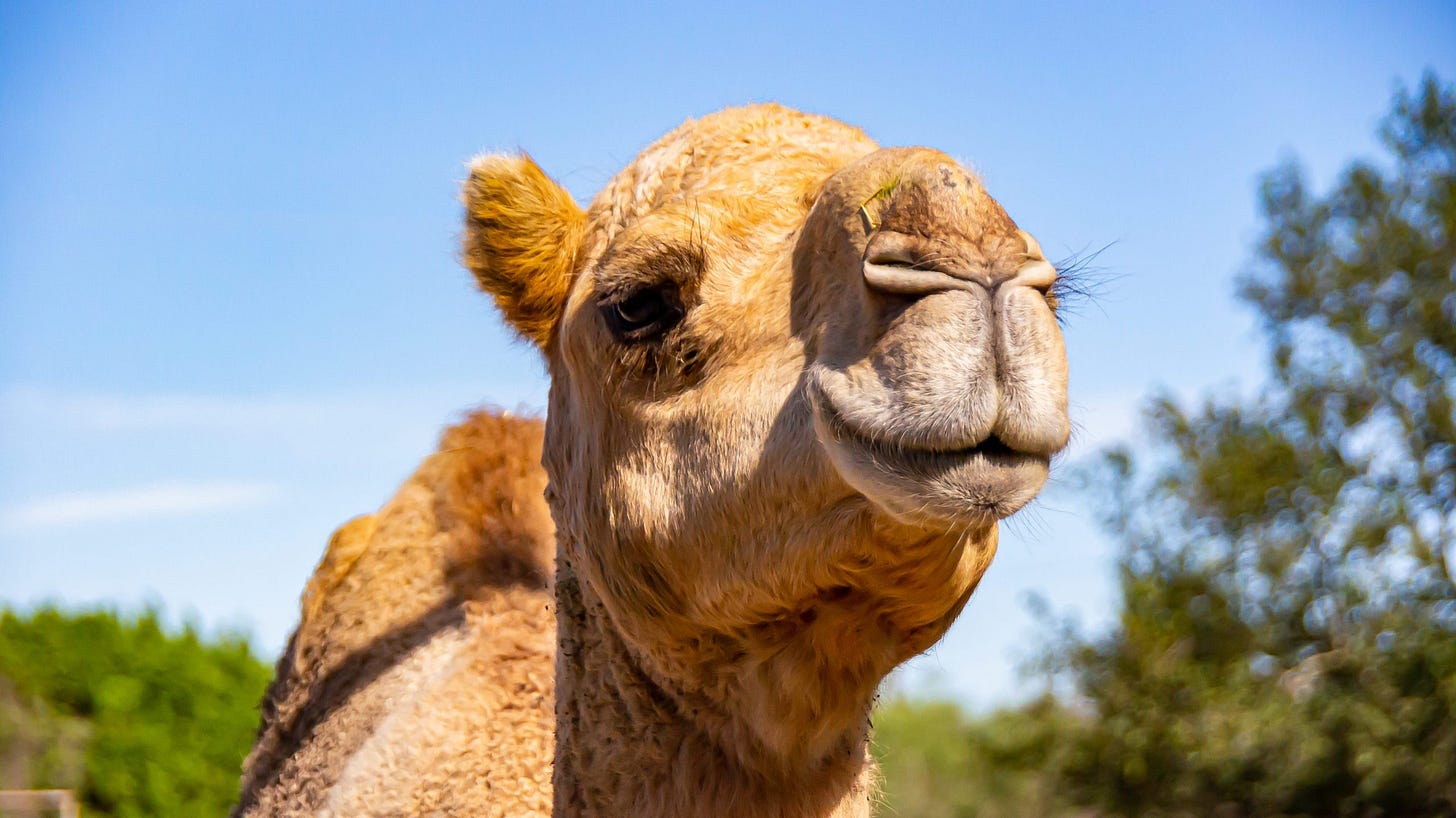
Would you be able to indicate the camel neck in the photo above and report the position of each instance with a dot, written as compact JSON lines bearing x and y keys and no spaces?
{"x":628,"y":744}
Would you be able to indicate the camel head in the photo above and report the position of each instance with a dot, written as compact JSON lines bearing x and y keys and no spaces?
{"x":796,"y":381}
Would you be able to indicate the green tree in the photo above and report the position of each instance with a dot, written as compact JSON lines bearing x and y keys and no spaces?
{"x":145,"y":723}
{"x":1287,"y":644}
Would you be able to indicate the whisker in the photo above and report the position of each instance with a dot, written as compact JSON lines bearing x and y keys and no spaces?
{"x":1080,"y":281}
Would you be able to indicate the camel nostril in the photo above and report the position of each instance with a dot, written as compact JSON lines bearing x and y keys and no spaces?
{"x":893,"y":257}
{"x":1038,"y":274}
{"x":911,"y":280}
{"x":912,"y":266}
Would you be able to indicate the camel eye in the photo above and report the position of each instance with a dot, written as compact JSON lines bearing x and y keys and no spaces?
{"x":643,"y":314}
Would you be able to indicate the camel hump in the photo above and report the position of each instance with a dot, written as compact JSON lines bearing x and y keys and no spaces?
{"x":471,"y":520}
{"x":490,"y":503}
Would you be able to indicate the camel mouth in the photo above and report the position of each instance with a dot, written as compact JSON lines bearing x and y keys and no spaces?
{"x":972,"y":485}
{"x":992,"y":447}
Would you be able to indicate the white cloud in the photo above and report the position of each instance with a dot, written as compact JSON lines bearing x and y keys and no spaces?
{"x":134,"y":503}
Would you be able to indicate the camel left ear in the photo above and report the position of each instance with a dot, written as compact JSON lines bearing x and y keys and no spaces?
{"x":522,"y":235}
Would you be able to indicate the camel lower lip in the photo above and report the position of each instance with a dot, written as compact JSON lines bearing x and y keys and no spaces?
{"x":971,"y":486}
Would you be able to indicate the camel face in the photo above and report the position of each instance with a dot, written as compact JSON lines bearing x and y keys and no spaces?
{"x":791,"y":374}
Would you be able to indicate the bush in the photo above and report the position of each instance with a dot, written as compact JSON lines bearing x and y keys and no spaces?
{"x":159,"y":722}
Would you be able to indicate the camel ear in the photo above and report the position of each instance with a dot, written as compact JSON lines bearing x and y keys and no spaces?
{"x":522,"y":235}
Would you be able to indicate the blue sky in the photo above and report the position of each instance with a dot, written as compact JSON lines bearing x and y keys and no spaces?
{"x":231,"y":315}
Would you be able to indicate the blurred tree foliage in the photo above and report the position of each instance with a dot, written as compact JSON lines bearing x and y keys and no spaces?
{"x":938,"y":762}
{"x":1287,"y":642}
{"x":143,"y":723}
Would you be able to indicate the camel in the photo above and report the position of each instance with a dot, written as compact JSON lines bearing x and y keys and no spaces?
{"x":796,"y":381}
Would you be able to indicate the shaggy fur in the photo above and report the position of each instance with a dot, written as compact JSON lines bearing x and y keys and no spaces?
{"x":419,"y":680}
{"x":761,"y":507}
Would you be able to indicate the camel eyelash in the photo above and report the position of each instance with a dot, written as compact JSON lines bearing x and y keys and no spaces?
{"x":648,"y":295}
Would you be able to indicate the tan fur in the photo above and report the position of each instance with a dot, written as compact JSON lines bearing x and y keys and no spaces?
{"x":760,"y":510}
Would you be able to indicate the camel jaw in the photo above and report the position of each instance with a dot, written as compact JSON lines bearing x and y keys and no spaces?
{"x":969,"y":487}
